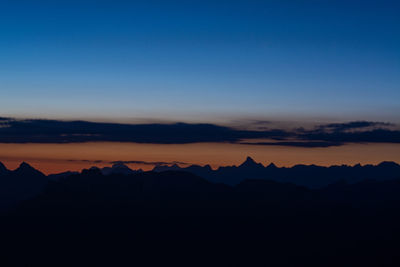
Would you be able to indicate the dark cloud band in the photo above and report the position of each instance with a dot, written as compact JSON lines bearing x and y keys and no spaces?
{"x":54,"y":131}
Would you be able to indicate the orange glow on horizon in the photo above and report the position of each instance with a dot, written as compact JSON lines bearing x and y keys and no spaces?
{"x":54,"y":158}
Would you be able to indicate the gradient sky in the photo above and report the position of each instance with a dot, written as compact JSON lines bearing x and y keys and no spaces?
{"x":200,"y":60}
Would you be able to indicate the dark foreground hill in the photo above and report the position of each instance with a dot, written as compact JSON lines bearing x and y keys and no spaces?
{"x":179,"y":219}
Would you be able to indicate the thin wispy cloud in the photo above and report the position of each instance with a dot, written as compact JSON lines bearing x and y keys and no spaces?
{"x":139,"y":162}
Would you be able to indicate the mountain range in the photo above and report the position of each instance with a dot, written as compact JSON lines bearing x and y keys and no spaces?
{"x":26,"y":182}
{"x":98,"y":217}
{"x":196,"y":216}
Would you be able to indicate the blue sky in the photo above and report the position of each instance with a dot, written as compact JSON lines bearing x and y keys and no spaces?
{"x":200,"y":60}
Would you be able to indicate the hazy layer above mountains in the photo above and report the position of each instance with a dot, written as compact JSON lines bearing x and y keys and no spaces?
{"x":54,"y":158}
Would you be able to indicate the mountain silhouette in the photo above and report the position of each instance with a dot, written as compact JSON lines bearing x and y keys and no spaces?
{"x":249,"y":163}
{"x":161,"y":168}
{"x":118,"y":168}
{"x":25,"y":169}
{"x":119,"y":216}
{"x":3,"y":169}
{"x":26,"y":182}
{"x":20,"y":184}
{"x":311,"y":176}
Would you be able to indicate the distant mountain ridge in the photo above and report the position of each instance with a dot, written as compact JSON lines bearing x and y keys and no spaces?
{"x":119,"y":168}
{"x":26,"y":182}
{"x":312,"y":176}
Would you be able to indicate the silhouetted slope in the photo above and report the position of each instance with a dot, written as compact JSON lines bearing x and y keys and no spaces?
{"x":23,"y":183}
{"x":62,"y":175}
{"x":3,"y":169}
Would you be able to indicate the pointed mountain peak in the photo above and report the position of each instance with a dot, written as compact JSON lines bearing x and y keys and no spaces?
{"x":249,"y":162}
{"x":208,"y":167}
{"x":250,"y":159}
{"x":272,"y":166}
{"x":25,"y":168}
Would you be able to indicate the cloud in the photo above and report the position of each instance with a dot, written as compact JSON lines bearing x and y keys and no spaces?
{"x":87,"y":161}
{"x":309,"y":144}
{"x":54,"y":131}
{"x":5,"y":119}
{"x":354,"y":125}
{"x":4,"y":122}
{"x":373,"y":136}
{"x":152,"y":163}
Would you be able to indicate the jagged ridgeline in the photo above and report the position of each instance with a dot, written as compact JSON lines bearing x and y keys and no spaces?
{"x":25,"y":182}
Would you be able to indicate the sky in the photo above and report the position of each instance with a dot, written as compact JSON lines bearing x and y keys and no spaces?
{"x":203,"y":82}
{"x":207,"y":61}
